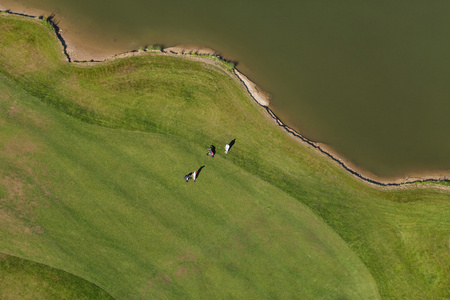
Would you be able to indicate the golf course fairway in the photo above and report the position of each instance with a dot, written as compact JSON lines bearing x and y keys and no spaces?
{"x":92,"y":159}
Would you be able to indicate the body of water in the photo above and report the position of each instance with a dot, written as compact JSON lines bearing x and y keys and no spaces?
{"x":370,"y":79}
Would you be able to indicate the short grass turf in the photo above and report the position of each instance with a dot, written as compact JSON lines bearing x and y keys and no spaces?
{"x":91,"y":182}
{"x":23,"y":279}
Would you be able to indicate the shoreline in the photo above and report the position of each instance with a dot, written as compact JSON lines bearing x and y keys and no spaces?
{"x":259,"y":96}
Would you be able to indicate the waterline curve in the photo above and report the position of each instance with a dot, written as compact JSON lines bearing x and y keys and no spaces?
{"x":262,"y":100}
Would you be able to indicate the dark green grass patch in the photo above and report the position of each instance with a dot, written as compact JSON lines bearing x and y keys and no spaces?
{"x":23,"y":279}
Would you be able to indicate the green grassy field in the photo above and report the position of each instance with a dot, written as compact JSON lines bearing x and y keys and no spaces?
{"x":91,"y":182}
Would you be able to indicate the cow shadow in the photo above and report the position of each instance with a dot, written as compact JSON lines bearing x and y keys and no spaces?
{"x":231,"y":144}
{"x":199,"y":170}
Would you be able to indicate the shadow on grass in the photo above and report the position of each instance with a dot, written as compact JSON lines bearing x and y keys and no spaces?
{"x":231,"y":144}
{"x":199,"y":170}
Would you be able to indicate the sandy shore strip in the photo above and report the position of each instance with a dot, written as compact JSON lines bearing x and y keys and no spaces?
{"x":75,"y":54}
{"x":256,"y":93}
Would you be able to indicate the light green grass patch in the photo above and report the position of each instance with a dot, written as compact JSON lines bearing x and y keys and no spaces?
{"x":112,"y":207}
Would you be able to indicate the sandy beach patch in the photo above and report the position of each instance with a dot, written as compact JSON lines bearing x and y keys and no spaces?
{"x":261,"y":97}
